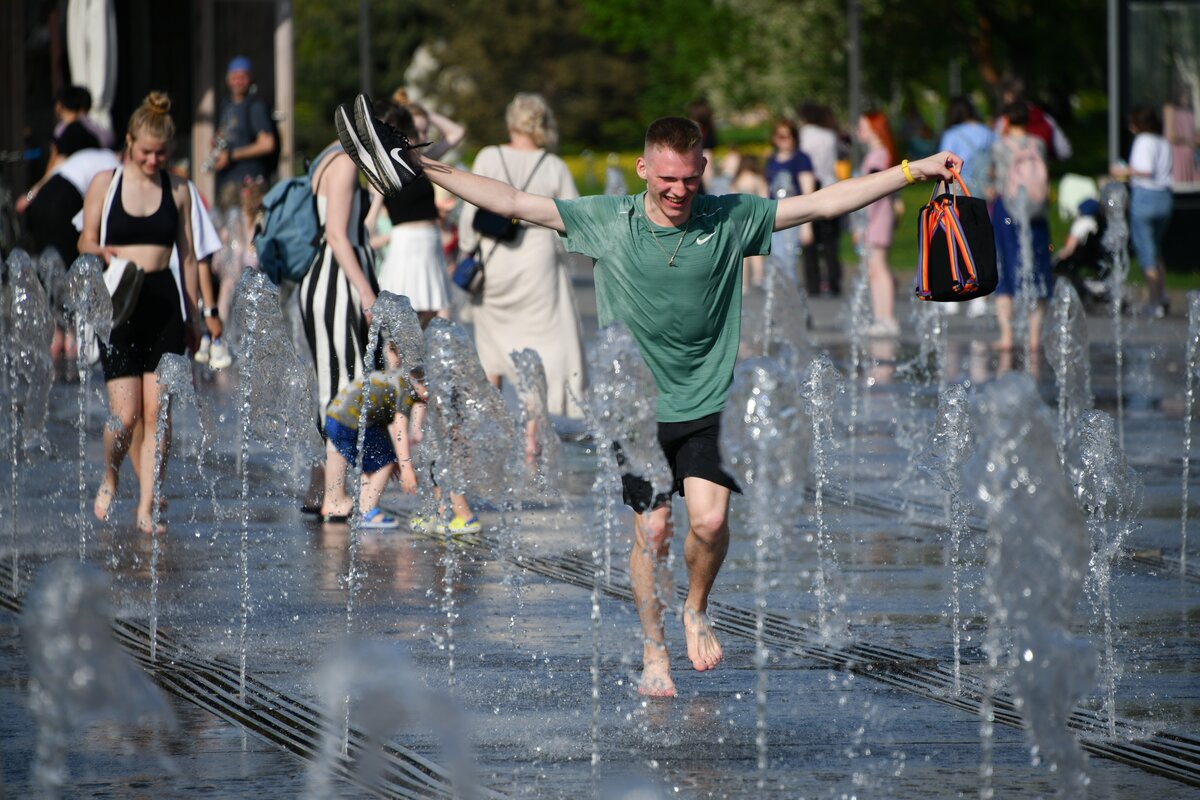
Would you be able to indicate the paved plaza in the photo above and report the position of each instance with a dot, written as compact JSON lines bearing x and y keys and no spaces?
{"x":510,"y":633}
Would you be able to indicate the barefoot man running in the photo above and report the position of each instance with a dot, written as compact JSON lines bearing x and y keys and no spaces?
{"x":668,"y":264}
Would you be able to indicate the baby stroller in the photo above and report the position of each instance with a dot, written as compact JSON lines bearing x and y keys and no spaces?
{"x":1082,"y":259}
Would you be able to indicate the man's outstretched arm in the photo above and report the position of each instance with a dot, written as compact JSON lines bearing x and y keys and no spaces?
{"x":851,"y":195}
{"x":495,"y":196}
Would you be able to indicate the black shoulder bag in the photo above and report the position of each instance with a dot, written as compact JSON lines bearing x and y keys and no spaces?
{"x":494,"y":226}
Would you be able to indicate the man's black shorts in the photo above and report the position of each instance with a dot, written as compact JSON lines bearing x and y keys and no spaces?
{"x":692,"y":449}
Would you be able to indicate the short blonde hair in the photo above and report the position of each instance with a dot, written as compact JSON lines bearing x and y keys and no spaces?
{"x":529,"y":114}
{"x":153,"y":118}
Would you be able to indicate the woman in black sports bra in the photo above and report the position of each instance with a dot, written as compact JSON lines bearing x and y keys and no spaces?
{"x":140,"y":213}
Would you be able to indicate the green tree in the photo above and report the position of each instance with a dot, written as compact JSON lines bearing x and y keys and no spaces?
{"x":673,"y":42}
{"x":534,"y":46}
{"x":327,"y":66}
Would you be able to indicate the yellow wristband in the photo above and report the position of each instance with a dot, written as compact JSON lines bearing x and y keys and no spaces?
{"x":908,"y":176}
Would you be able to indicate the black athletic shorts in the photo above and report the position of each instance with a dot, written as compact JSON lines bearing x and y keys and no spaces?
{"x":692,"y":449}
{"x":154,"y":328}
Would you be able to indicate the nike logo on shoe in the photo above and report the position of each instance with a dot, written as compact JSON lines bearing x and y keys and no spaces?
{"x":397,"y":155}
{"x":703,"y":239}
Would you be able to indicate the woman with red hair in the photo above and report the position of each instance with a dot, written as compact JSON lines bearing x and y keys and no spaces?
{"x":876,"y":237}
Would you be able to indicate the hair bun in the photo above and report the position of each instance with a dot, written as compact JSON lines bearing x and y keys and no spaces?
{"x":158,"y":103}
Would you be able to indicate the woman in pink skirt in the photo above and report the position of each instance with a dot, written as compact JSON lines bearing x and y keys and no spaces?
{"x":875,"y":133}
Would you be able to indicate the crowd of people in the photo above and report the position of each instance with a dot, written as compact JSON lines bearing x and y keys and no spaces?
{"x":519,"y":212}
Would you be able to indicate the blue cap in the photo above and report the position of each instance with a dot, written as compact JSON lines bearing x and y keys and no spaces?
{"x":239,"y":64}
{"x":1089,"y":208}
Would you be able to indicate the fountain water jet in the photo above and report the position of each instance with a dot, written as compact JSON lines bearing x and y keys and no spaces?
{"x":856,"y":332}
{"x":174,"y":381}
{"x":1110,"y":492}
{"x":474,"y":436}
{"x":386,"y":694}
{"x":821,"y":386}
{"x":1036,"y":565}
{"x":949,"y":446}
{"x":1191,"y":373}
{"x":280,"y":390}
{"x":1066,"y":347}
{"x":29,"y":373}
{"x":622,"y":415}
{"x":1115,"y":199}
{"x":765,"y":439}
{"x":1028,"y":294}
{"x":90,"y":305}
{"x":78,"y":672}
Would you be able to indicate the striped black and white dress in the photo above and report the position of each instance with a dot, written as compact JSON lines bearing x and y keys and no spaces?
{"x":331,"y":310}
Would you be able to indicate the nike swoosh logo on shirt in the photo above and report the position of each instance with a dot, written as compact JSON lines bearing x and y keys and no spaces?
{"x":703,"y":239}
{"x":398,"y":156}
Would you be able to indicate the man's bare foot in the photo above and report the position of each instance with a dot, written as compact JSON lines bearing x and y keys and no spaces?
{"x":146,"y":526}
{"x":102,"y":507}
{"x":656,"y":672}
{"x":703,"y":648}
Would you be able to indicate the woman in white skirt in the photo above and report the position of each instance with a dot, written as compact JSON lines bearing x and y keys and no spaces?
{"x":415,"y":266}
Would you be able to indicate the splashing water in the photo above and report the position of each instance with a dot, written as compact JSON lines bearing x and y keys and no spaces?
{"x":1110,"y":493}
{"x":474,"y":431}
{"x":278,"y":385}
{"x":1028,"y":293}
{"x":948,"y":448}
{"x":281,"y":391}
{"x":29,"y":375}
{"x":1066,"y":348}
{"x":542,"y":456}
{"x":88,"y":302}
{"x":400,"y":326}
{"x":387,"y":696}
{"x":929,"y":321}
{"x":1115,"y":241}
{"x":30,"y":369}
{"x":78,"y":672}
{"x":785,"y":318}
{"x":621,"y":410}
{"x":624,"y":406}
{"x":856,"y":332}
{"x":52,"y":274}
{"x":1036,"y":565}
{"x":541,"y":445}
{"x":473,"y":438}
{"x":174,"y":382}
{"x":765,"y":440}
{"x":822,"y":385}
{"x":1192,"y":372}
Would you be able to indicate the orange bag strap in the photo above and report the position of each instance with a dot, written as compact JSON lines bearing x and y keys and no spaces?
{"x":945,"y":215}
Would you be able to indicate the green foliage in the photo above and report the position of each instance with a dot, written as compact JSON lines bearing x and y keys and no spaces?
{"x":607,"y":67}
{"x":532,"y":46}
{"x":327,"y":66}
{"x":672,"y":41}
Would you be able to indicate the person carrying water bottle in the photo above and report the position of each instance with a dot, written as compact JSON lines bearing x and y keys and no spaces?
{"x":668,"y":265}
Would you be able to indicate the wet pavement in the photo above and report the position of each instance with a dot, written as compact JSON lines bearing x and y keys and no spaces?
{"x":524,"y":642}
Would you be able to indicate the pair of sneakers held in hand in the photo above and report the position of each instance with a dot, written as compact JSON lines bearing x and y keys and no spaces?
{"x":384,"y":154}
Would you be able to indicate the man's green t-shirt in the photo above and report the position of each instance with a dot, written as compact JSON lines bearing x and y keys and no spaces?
{"x":685,"y":318}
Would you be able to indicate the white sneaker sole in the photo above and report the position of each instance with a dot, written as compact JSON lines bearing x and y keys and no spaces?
{"x":355,"y":149}
{"x":364,"y":120}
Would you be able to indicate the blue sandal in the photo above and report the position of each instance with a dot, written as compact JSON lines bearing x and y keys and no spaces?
{"x":377,"y":520}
